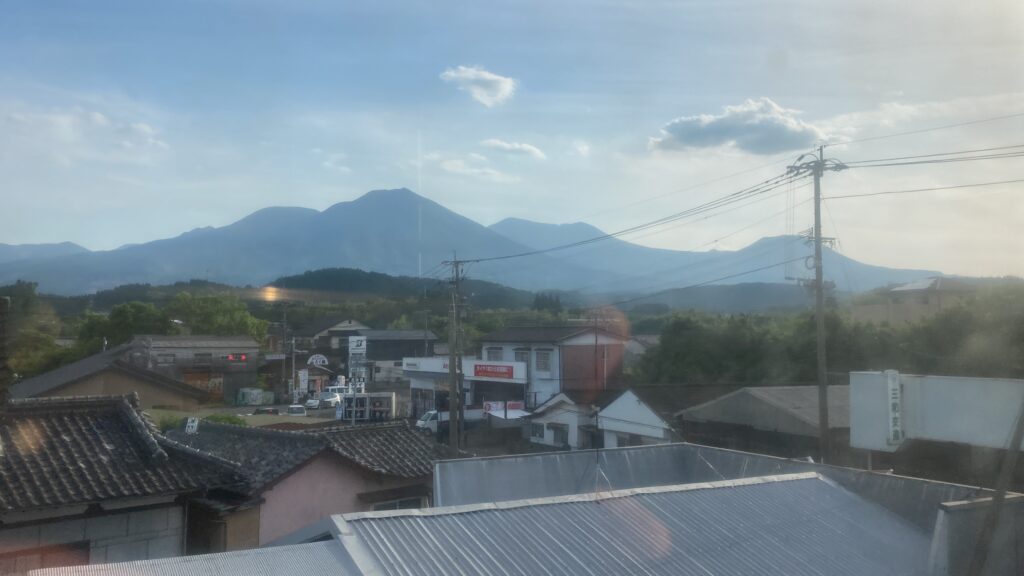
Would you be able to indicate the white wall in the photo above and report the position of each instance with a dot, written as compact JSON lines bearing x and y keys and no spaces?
{"x":975,"y":411}
{"x":562,"y":413}
{"x":630,"y":415}
{"x":119,"y":537}
{"x":541,"y":385}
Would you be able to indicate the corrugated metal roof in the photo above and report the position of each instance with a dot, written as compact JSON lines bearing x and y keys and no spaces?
{"x":788,"y":525}
{"x":504,"y":478}
{"x":319,"y":558}
{"x":788,"y":409}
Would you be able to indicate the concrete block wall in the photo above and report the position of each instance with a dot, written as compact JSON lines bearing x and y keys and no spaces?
{"x":118,"y":537}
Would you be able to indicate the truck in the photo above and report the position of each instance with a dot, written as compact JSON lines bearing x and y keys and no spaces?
{"x":430,"y":419}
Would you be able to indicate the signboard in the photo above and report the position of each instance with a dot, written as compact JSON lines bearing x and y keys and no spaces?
{"x":357,"y":357}
{"x":317,"y":360}
{"x":499,"y":407}
{"x":304,"y":379}
{"x":895,"y":400}
{"x":192,"y":426}
{"x":492,"y":371}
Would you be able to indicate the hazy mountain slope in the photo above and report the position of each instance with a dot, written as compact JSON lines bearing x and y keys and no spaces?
{"x":15,"y":252}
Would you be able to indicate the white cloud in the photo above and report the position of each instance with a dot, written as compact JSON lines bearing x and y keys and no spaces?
{"x":514,"y":148}
{"x":580,"y":148}
{"x":478,"y":157}
{"x":333,"y":161}
{"x":485,"y":87}
{"x":757,"y":126}
{"x":473,"y":168}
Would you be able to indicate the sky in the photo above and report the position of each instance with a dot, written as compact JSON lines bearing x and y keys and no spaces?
{"x":124,"y":122}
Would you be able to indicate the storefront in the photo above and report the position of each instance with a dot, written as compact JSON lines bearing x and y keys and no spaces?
{"x":482,"y":380}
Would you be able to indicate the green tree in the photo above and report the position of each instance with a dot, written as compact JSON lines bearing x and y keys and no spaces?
{"x":217,"y":315}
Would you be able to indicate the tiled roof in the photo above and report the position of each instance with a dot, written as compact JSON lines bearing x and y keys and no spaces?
{"x":108,"y":360}
{"x":415,"y":335}
{"x":264,"y":455}
{"x":90,"y":449}
{"x":195,"y":341}
{"x":322,"y":324}
{"x":541,"y":334}
{"x":392,"y":448}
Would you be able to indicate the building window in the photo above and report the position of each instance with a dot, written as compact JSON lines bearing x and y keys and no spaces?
{"x":164,"y":359}
{"x":537,"y":430}
{"x":523,"y":355}
{"x":403,"y":504}
{"x":561,"y":435}
{"x":622,"y":440}
{"x":495,"y":355}
{"x":543,"y":361}
{"x":202,"y":359}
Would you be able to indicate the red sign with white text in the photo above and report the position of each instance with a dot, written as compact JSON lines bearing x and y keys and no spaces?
{"x":492,"y":371}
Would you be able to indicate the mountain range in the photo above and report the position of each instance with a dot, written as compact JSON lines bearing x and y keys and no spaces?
{"x":398,"y":232}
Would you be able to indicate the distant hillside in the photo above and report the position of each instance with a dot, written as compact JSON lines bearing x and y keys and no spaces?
{"x":352,"y":281}
{"x":733,"y":298}
{"x":400,"y":233}
{"x":15,"y":252}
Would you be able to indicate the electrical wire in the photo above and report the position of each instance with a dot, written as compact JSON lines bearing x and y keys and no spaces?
{"x":932,"y":129}
{"x":760,"y":188}
{"x":916,"y":190}
{"x":940,"y":160}
{"x":975,"y":151}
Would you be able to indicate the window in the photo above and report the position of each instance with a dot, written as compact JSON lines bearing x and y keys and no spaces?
{"x":495,"y":354}
{"x":628,"y":440}
{"x":523,"y":355}
{"x":543,"y":361}
{"x":202,"y":359}
{"x":403,"y":504}
{"x":165,"y":359}
{"x":536,"y":430}
{"x":561,"y":435}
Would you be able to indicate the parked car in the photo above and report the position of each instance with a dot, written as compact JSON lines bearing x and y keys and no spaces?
{"x":272,"y":411}
{"x":296,"y":410}
{"x":313,"y":404}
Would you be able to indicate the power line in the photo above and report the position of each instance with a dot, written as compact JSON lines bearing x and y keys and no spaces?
{"x":932,"y":129}
{"x":942,"y":160}
{"x":958,"y":186}
{"x":975,"y":151}
{"x":699,"y":284}
{"x":760,"y":188}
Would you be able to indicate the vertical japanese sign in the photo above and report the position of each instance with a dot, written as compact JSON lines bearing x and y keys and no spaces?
{"x":357,"y":357}
{"x":895,"y":401}
{"x":304,"y":380}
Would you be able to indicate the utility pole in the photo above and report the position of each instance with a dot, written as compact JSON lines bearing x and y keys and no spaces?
{"x":817,"y":165}
{"x":454,"y":360}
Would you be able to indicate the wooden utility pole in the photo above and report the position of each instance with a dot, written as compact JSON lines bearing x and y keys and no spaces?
{"x":824,"y":441}
{"x":454,"y":361}
{"x":817,"y":165}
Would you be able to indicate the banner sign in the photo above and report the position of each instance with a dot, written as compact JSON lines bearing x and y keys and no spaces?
{"x":304,"y":379}
{"x":317,"y":360}
{"x":357,"y":357}
{"x":492,"y":371}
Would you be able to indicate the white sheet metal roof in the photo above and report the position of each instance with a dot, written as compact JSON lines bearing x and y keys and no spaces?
{"x":800,"y":524}
{"x":316,"y":559}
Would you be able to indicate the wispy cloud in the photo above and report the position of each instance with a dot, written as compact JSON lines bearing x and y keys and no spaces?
{"x":580,"y":148}
{"x":473,"y":167}
{"x":485,"y":87}
{"x":758,"y":126}
{"x":333,"y":161}
{"x":514,"y":148}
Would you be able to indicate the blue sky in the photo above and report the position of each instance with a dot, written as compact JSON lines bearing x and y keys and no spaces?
{"x":124,"y":122}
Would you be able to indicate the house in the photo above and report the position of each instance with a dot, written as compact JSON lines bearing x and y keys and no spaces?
{"x":88,"y":480}
{"x":329,"y":333}
{"x":915,"y":301}
{"x":951,"y":428}
{"x":644,"y":416}
{"x":664,"y":509}
{"x":295,"y":479}
{"x":559,"y":358}
{"x":107,"y":373}
{"x":219,"y":365}
{"x":776,"y":420}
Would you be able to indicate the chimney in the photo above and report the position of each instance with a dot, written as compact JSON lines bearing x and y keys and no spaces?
{"x":5,"y":370}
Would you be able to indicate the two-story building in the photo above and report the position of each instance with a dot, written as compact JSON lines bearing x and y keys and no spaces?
{"x":559,"y":358}
{"x":218,"y":365}
{"x":483,"y":381}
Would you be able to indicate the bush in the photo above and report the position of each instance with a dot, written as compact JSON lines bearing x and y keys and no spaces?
{"x":226,"y":419}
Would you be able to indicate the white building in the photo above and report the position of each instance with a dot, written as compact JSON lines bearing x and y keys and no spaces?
{"x":609,"y":419}
{"x":483,"y":381}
